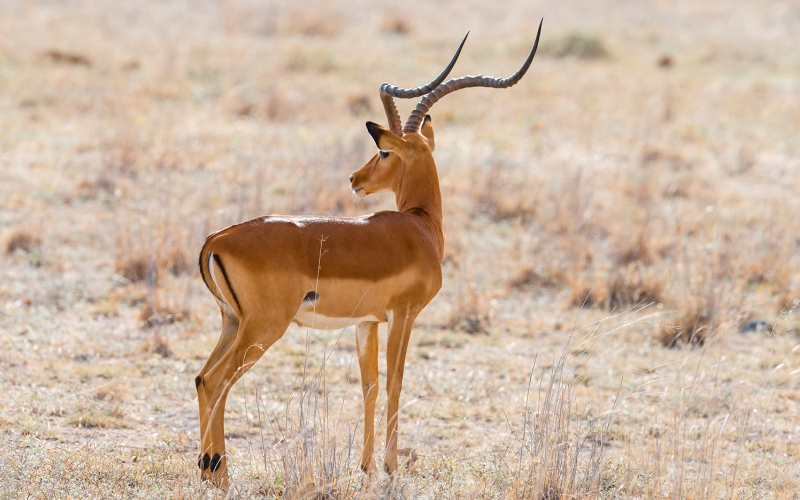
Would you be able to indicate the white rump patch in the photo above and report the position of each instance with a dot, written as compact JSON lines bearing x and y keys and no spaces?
{"x":222,"y":303}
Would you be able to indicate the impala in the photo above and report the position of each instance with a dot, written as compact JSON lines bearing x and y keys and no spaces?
{"x":380,"y":268}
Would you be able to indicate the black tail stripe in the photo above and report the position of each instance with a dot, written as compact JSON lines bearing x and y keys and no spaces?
{"x":227,"y":281}
{"x":202,"y":271}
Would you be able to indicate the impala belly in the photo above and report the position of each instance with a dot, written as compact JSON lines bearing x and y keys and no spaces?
{"x":311,"y":319}
{"x":342,"y":303}
{"x":330,"y":310}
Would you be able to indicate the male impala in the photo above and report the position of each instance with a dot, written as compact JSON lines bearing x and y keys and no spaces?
{"x":267,"y":272}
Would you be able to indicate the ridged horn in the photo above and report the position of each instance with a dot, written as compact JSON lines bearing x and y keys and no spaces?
{"x":416,"y":117}
{"x":389,"y":92}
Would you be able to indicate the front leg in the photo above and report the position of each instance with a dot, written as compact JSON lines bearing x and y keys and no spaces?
{"x":367,"y":345}
{"x":400,"y":322}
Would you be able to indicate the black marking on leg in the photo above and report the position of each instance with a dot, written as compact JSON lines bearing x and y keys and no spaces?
{"x":205,"y":463}
{"x":227,"y":281}
{"x":197,"y":381}
{"x":311,"y":296}
{"x":215,"y":460}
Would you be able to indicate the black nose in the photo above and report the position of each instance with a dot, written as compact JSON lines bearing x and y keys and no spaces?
{"x":351,"y":178}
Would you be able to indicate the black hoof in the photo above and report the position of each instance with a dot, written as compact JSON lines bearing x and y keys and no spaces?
{"x":215,"y":462}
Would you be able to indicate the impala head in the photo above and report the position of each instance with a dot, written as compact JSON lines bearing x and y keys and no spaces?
{"x":411,"y":146}
{"x":385,"y":170}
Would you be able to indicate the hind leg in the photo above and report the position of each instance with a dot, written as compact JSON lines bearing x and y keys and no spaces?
{"x":230,"y":325}
{"x":254,"y":337}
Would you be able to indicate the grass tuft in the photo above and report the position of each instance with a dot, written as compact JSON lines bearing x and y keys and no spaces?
{"x":22,"y":240}
{"x":578,"y":45}
{"x":619,"y":289}
{"x":396,"y":26}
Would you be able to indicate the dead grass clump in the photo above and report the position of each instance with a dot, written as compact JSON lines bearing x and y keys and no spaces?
{"x":578,"y":45}
{"x":508,"y":207}
{"x":500,"y":196}
{"x":395,"y":26}
{"x":638,"y":250}
{"x":136,"y":268}
{"x":273,"y":105}
{"x":37,"y":470}
{"x":160,"y":346}
{"x":302,"y":58}
{"x":694,"y":326}
{"x":179,"y":261}
{"x":527,"y":276}
{"x":131,"y":295}
{"x":153,"y":313}
{"x":653,"y":156}
{"x":65,"y":57}
{"x":111,"y":417}
{"x":316,"y":25}
{"x":105,"y":308}
{"x":122,"y":154}
{"x":469,"y":314}
{"x":22,"y":240}
{"x":788,"y":300}
{"x":629,"y":286}
{"x":278,"y":108}
{"x":90,"y":189}
{"x":359,"y":104}
{"x":561,"y":452}
{"x":149,"y":263}
{"x":28,"y":244}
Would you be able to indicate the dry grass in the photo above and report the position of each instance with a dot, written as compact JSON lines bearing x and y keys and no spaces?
{"x":578,"y":45}
{"x":617,"y":289}
{"x":644,"y":168}
{"x":22,"y":240}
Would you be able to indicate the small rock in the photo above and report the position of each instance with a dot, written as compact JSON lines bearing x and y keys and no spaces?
{"x":756,"y":325}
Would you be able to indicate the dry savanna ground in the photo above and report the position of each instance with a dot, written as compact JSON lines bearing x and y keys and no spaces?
{"x":620,"y":280}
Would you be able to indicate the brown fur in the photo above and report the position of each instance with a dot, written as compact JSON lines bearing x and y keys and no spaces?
{"x":384,"y":267}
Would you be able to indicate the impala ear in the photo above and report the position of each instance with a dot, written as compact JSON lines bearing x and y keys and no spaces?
{"x":386,"y":140}
{"x":427,"y":131}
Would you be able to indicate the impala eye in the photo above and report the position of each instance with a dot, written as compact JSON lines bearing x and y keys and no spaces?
{"x":384,"y":154}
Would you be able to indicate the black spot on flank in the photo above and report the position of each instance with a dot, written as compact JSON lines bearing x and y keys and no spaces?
{"x":227,"y":281}
{"x":203,"y":463}
{"x":197,"y":381}
{"x":214,"y":462}
{"x":311,"y":296}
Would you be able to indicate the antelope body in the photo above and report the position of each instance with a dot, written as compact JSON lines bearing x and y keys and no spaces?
{"x":332,"y":272}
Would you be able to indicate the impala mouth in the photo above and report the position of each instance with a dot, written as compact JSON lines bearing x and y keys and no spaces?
{"x":359,"y":192}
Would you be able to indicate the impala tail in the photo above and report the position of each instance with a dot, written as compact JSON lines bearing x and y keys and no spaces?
{"x":216,"y":278}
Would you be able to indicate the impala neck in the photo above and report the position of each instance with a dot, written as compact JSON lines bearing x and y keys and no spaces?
{"x":419,"y":194}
